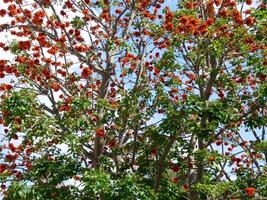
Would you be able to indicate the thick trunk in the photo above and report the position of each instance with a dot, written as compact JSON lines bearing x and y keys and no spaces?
{"x":192,"y":173}
{"x":160,"y":163}
{"x":200,"y":165}
{"x":196,"y":176}
{"x":99,"y":141}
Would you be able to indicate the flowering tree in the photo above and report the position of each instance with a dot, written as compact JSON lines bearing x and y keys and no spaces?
{"x":132,"y":99}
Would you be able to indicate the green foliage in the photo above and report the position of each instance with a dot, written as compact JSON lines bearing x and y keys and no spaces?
{"x":101,"y":184}
{"x":108,"y":187}
{"x":21,"y":104}
{"x":220,"y":190}
{"x":22,"y":191}
{"x":14,"y":47}
{"x":51,"y":171}
{"x":45,"y":180}
{"x":170,"y":191}
{"x":78,"y":23}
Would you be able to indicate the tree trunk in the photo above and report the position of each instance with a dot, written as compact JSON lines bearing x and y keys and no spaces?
{"x":160,"y":163}
{"x":99,"y":141}
{"x":197,"y":175}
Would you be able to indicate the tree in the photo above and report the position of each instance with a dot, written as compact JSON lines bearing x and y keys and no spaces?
{"x":132,"y":99}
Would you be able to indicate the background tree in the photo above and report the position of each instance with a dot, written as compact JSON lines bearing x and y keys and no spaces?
{"x":132,"y":99}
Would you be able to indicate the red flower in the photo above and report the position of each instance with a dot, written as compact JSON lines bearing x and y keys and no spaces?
{"x":38,"y":18}
{"x":53,"y":50}
{"x":12,"y":147}
{"x":55,"y":86}
{"x":11,"y":157}
{"x":185,"y":186}
{"x":24,"y":45}
{"x":250,"y":191}
{"x":29,"y":151}
{"x":190,"y":5}
{"x":169,"y":16}
{"x":210,"y":21}
{"x":65,"y":108}
{"x":3,"y":167}
{"x":100,"y":133}
{"x":2,"y":12}
{"x":184,"y":97}
{"x":5,"y":87}
{"x":76,"y":178}
{"x":217,"y":2}
{"x":183,"y":20}
{"x":169,"y":26}
{"x":18,"y":120}
{"x":46,"y":73}
{"x":262,"y":77}
{"x":12,"y":10}
{"x":194,"y":21}
{"x":154,"y":151}
{"x":118,"y":11}
{"x":46,"y":2}
{"x":248,"y":2}
{"x":86,"y":72}
{"x":176,"y":180}
{"x":2,"y":75}
{"x":112,"y":143}
{"x":223,"y":13}
{"x":250,"y":21}
{"x":28,"y":165}
{"x":175,"y":168}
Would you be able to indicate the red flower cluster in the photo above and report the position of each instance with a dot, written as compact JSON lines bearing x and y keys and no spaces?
{"x":105,"y":15}
{"x":24,"y":45}
{"x":169,"y":26}
{"x":81,"y":48}
{"x":3,"y":167}
{"x":217,"y":2}
{"x":148,"y":15}
{"x":42,"y":40}
{"x":66,"y":105}
{"x":55,"y":86}
{"x":2,"y":12}
{"x":128,"y":58}
{"x":250,"y":21}
{"x":11,"y":157}
{"x":223,"y":13}
{"x":189,"y":24}
{"x":175,"y":168}
{"x":65,"y":108}
{"x":248,"y":2}
{"x":112,"y":143}
{"x":38,"y":17}
{"x":86,"y":72}
{"x":46,"y":73}
{"x":12,"y":10}
{"x":100,"y":132}
{"x":190,"y":5}
{"x":5,"y":87}
{"x":53,"y":50}
{"x":144,"y":3}
{"x":237,"y":17}
{"x":168,"y":21}
{"x":46,"y":2}
{"x":250,"y":191}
